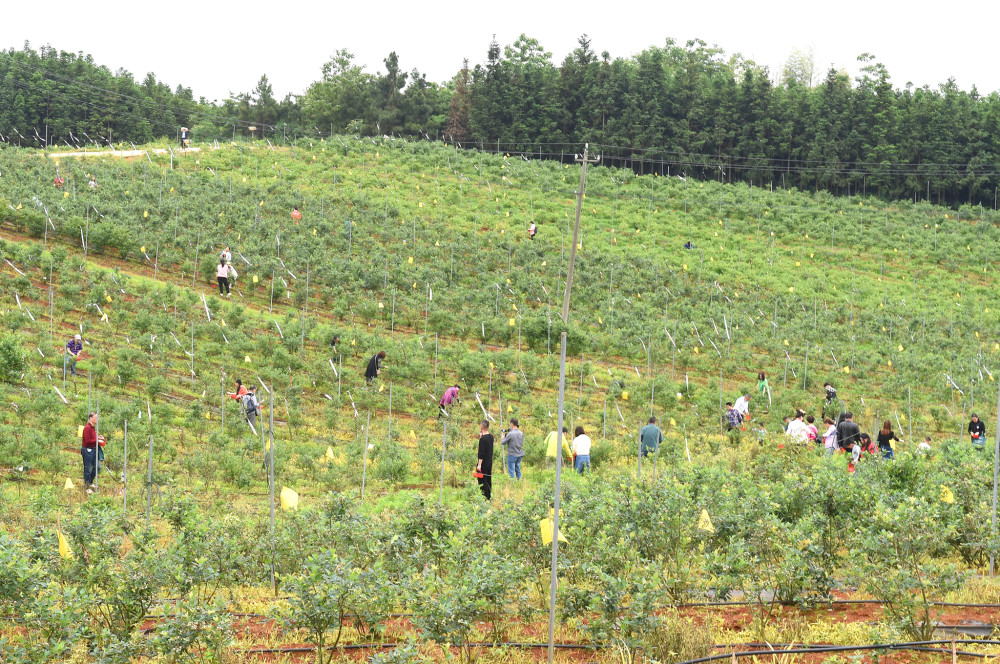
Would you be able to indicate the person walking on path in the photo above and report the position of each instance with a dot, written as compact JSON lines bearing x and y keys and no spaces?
{"x":449,"y":397}
{"x":650,"y":438}
{"x":484,"y":466}
{"x":251,"y":407}
{"x":581,"y":449}
{"x":88,"y":450}
{"x":885,"y":438}
{"x":977,"y":431}
{"x":514,"y":442}
{"x":222,"y":274}
{"x":532,"y":231}
{"x":848,"y":432}
{"x":74,"y":348}
{"x":374,"y":367}
{"x":552,"y":447}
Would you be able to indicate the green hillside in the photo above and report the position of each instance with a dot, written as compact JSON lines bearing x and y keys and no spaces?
{"x":421,"y":250}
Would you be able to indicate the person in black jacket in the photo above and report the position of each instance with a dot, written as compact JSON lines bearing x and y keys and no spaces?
{"x":484,"y":466}
{"x":977,"y":430}
{"x":374,"y":367}
{"x":848,"y":432}
{"x":885,"y":436}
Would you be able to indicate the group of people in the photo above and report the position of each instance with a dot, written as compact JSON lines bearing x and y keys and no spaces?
{"x":841,"y":435}
{"x":513,"y":441}
{"x":225,"y":272}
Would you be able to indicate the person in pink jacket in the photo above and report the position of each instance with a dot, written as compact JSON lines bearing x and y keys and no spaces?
{"x":222,"y":274}
{"x":449,"y":397}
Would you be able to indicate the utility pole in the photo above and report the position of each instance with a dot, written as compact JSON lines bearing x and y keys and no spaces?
{"x":553,"y":579}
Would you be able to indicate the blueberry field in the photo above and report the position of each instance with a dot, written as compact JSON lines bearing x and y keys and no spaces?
{"x":378,"y":545}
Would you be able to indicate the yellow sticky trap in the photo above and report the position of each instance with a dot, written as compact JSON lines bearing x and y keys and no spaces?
{"x":289,"y":499}
{"x":108,"y":298}
{"x":673,"y":422}
{"x":436,"y":243}
{"x":546,"y":526}
{"x":847,"y":370}
{"x":244,"y":179}
{"x":509,"y":409}
{"x":624,"y":396}
{"x":104,"y":318}
{"x":142,"y":248}
{"x":786,"y":342}
{"x":222,"y":322}
{"x":262,"y":204}
{"x":329,"y":452}
{"x":255,"y":280}
{"x":246,"y":359}
{"x":705,"y":523}
{"x":513,"y":322}
{"x":946,"y":495}
{"x":791,"y":289}
{"x":69,"y":484}
{"x":354,"y":342}
{"x":900,"y":348}
{"x":314,"y":231}
{"x":381,"y":306}
{"x":64,"y":550}
{"x":491,"y":365}
{"x":413,"y":435}
{"x":696,"y":351}
{"x":171,"y":190}
{"x":599,"y":321}
{"x":381,"y":387}
{"x":145,"y":214}
{"x":65,"y":194}
{"x":208,"y":415}
{"x":410,"y":260}
{"x":889,"y":363}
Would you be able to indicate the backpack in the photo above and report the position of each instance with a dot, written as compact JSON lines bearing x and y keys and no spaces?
{"x":250,"y":404}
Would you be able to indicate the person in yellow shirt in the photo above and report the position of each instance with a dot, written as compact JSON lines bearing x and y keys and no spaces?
{"x":551,"y":443}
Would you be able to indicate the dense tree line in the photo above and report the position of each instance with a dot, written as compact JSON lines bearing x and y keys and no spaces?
{"x":686,"y":110}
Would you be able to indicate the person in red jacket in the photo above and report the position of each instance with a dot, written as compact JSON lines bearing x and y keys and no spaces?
{"x":88,"y":451}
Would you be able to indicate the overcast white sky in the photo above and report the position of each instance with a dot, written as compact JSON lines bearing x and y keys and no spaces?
{"x":221,"y":47}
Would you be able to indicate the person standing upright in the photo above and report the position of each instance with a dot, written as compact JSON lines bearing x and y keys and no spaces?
{"x":514,"y":442}
{"x":581,"y":448}
{"x":374,"y":367}
{"x":88,"y":450}
{"x":222,"y":275}
{"x":74,"y":348}
{"x":552,"y":448}
{"x":977,"y":432}
{"x":848,"y":432}
{"x":484,"y":466}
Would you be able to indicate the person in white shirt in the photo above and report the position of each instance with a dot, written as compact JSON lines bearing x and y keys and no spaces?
{"x":581,"y":449}
{"x":798,"y":430}
{"x":830,"y":437}
{"x":742,"y":406}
